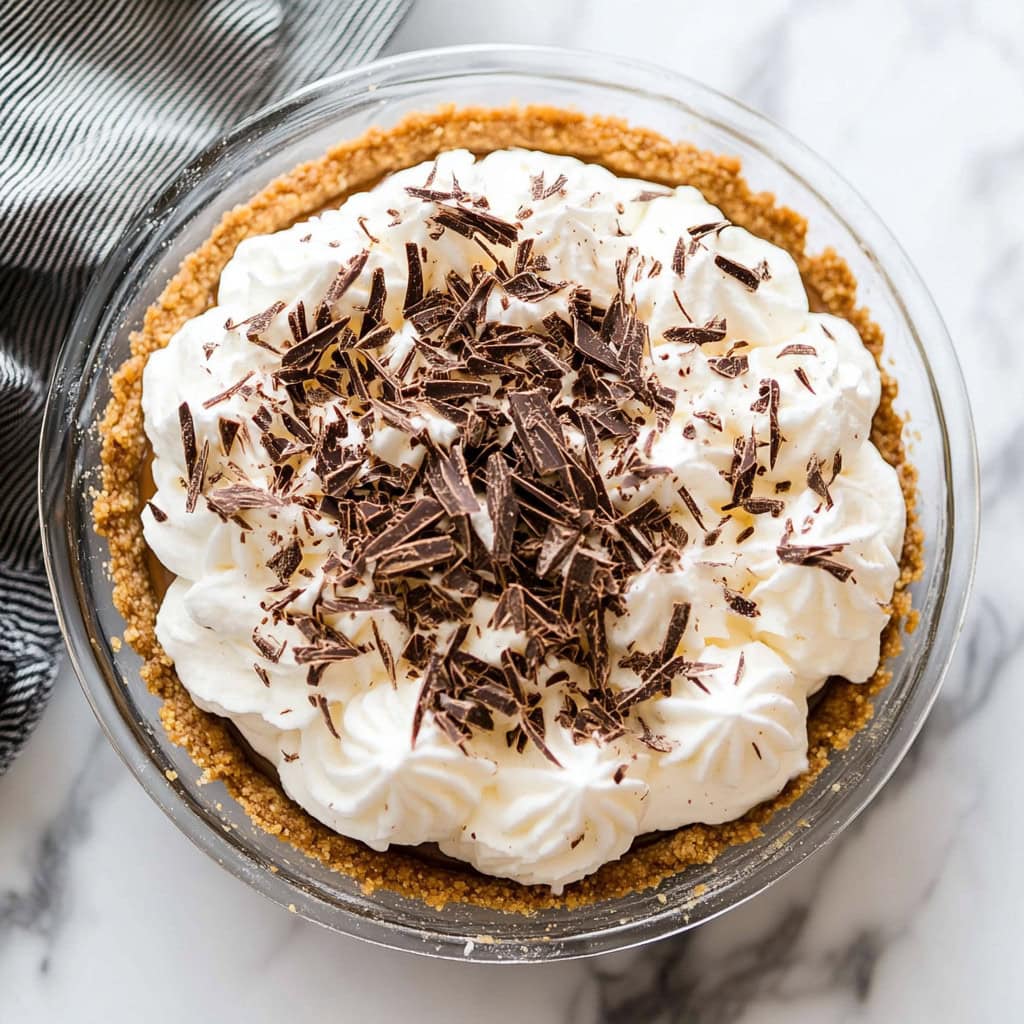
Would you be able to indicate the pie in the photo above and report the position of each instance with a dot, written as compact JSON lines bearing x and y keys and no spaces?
{"x":508,"y":509}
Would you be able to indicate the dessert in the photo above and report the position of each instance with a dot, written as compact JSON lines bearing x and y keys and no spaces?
{"x":518,"y":505}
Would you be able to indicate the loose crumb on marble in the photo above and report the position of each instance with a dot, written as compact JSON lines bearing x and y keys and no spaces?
{"x":355,"y":166}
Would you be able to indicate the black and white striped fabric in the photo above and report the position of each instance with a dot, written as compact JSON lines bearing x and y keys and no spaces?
{"x":99,"y":102}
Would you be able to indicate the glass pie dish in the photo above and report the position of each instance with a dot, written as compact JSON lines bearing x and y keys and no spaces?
{"x":918,"y":353}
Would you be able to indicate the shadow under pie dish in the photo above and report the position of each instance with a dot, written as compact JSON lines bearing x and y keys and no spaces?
{"x":537,"y":406}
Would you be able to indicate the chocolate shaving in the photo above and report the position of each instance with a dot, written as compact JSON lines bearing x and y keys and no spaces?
{"x":538,"y":430}
{"x":712,"y":419}
{"x":510,"y":611}
{"x":801,"y":375}
{"x":343,"y":280}
{"x":537,"y":189}
{"x":345,"y":604}
{"x":297,"y":322}
{"x":715,"y":227}
{"x":416,"y":650}
{"x":760,"y":506}
{"x":494,"y":694}
{"x":532,"y":724}
{"x":741,"y":664}
{"x":748,"y":278}
{"x":524,"y":256}
{"x":307,"y":353}
{"x":426,"y":695}
{"x":816,"y":556}
{"x":739,"y":604}
{"x":528,"y":287}
{"x":195,"y":482}
{"x":469,"y":313}
{"x":798,"y":350}
{"x":366,"y":231}
{"x":691,"y":505}
{"x":810,"y":556}
{"x":501,"y":506}
{"x":744,"y":472}
{"x":449,"y":480}
{"x":414,"y":281}
{"x":394,"y":416}
{"x":417,"y":519}
{"x":679,"y":258}
{"x":729,"y":366}
{"x":262,"y":418}
{"x":229,"y":501}
{"x":158,"y":513}
{"x":228,"y":392}
{"x":375,"y":303}
{"x":768,"y":401}
{"x":337,"y":482}
{"x":587,"y":341}
{"x":674,"y":632}
{"x":556,"y":547}
{"x":470,"y":223}
{"x":270,"y":648}
{"x":417,"y":554}
{"x":188,"y":437}
{"x":711,"y":537}
{"x":286,"y":561}
{"x":434,"y":194}
{"x":816,"y":480}
{"x":447,"y":389}
{"x":661,"y":744}
{"x":330,"y":648}
{"x":713,"y":330}
{"x":325,"y":710}
{"x":256,"y":324}
{"x":376,"y":337}
{"x":228,"y":430}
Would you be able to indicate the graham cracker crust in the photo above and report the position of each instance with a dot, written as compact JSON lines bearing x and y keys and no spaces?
{"x":351,"y":166}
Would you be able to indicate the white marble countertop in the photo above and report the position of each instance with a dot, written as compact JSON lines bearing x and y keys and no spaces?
{"x":108,"y":913}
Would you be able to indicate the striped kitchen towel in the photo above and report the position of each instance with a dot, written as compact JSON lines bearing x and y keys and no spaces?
{"x":99,"y":101}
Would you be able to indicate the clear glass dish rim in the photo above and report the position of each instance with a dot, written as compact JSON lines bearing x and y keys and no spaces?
{"x":62,"y":430}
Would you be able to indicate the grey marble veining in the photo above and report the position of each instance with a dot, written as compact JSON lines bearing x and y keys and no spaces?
{"x":107,"y":913}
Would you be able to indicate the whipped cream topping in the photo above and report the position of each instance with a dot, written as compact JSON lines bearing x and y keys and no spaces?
{"x":500,"y":658}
